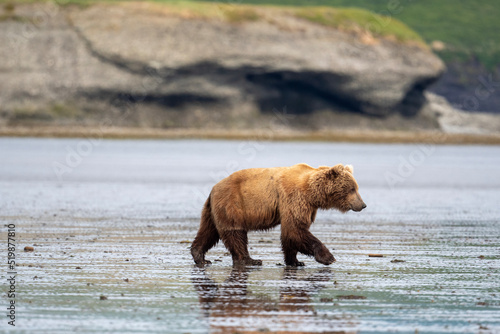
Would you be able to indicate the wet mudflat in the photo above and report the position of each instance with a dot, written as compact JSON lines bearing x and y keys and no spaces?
{"x":111,"y":221}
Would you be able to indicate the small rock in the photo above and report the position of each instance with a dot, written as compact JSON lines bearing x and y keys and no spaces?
{"x":28,"y":249}
{"x":397,"y":261}
{"x":126,"y":280}
{"x":78,"y":268}
{"x":102,"y":297}
{"x":375,"y":255}
{"x":185,"y":242}
{"x":479,"y":257}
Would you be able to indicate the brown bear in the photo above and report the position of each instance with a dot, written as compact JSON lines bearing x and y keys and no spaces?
{"x":261,"y":198}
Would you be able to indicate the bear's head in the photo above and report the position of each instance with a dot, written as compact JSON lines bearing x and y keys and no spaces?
{"x":335,"y":187}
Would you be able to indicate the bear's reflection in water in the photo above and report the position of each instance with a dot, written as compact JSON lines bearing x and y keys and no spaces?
{"x":230,"y":307}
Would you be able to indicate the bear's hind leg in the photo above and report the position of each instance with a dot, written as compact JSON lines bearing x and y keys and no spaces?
{"x":207,"y":235}
{"x":236,"y":241}
{"x":206,"y":238}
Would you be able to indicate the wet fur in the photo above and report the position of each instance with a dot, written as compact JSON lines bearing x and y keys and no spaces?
{"x":262,"y":198}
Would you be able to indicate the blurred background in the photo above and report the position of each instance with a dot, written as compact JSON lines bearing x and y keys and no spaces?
{"x":159,"y":67}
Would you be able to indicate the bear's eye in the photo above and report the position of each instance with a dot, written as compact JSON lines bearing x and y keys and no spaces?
{"x":353,"y":190}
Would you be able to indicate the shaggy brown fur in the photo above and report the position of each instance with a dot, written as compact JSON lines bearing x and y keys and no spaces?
{"x":262,"y":198}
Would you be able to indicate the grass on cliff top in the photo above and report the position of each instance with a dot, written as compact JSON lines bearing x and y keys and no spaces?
{"x":356,"y":18}
{"x":468,"y":28}
{"x":347,"y":19}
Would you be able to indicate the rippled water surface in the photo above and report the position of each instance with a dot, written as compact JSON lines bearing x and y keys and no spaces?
{"x":111,"y":221}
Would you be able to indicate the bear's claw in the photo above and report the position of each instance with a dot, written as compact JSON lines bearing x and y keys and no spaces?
{"x":326,"y":261}
{"x":255,"y":262}
{"x":299,"y":264}
{"x":203,"y":263}
{"x":326,"y":258}
{"x":295,"y":264}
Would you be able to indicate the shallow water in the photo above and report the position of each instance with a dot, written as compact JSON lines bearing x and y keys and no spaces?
{"x":113,"y":218}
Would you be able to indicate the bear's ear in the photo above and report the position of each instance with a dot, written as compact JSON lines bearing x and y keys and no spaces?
{"x":349,"y":168}
{"x":335,"y":171}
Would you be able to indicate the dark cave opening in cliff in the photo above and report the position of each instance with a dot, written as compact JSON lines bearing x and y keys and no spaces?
{"x":301,"y":92}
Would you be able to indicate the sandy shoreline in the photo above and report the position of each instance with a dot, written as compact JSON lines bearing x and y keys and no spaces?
{"x":111,"y":240}
{"x":366,"y":136}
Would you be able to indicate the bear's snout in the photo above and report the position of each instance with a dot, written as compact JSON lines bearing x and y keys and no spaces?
{"x":358,"y":208}
{"x":358,"y":205}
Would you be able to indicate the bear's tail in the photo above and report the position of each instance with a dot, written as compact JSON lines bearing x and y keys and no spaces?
{"x":207,"y":236}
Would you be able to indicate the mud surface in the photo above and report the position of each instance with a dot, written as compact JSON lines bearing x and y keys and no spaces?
{"x":110,"y":222}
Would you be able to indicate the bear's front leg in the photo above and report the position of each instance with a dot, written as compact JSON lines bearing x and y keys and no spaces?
{"x":322,"y":254}
{"x":301,"y":240}
{"x":290,"y":253}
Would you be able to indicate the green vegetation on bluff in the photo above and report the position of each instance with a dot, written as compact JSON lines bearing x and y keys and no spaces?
{"x":347,"y":19}
{"x":469,"y":28}
{"x":350,"y":18}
